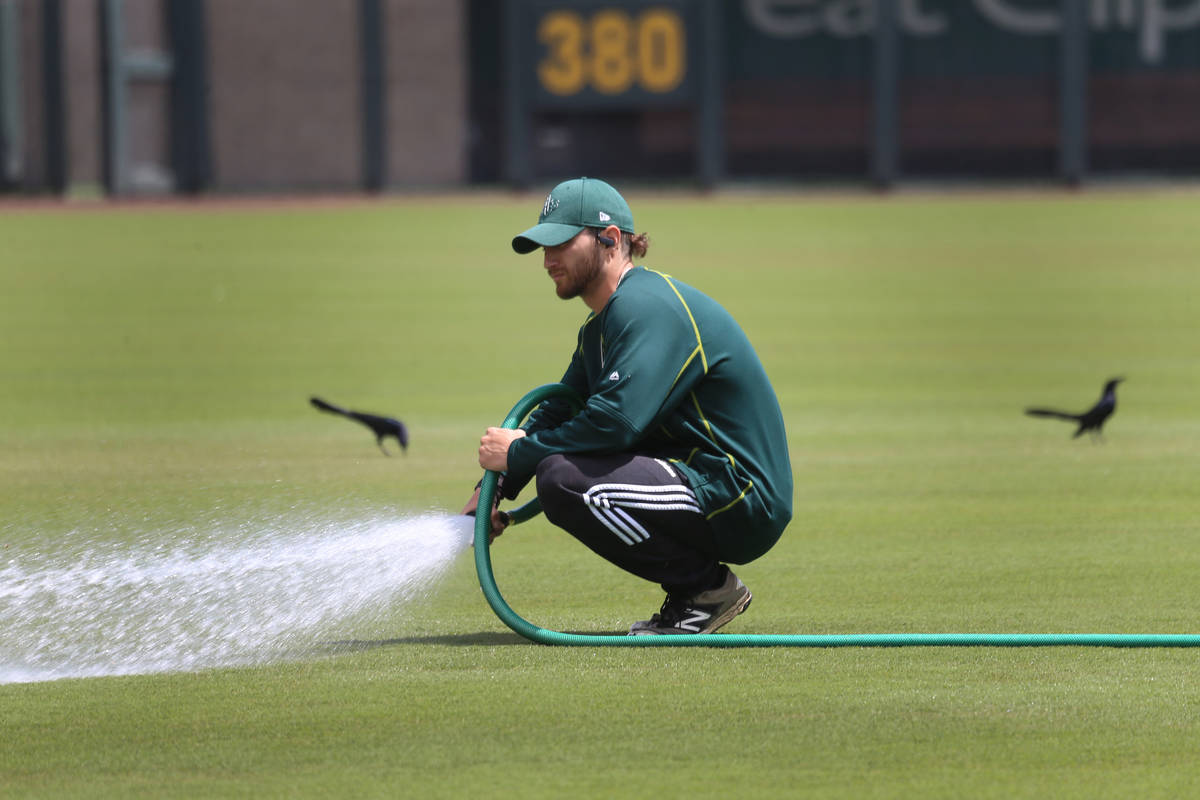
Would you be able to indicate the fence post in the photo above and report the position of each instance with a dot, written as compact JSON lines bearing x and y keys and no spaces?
{"x":54,"y":110}
{"x":190,"y":150}
{"x":122,"y":67}
{"x":884,"y":129}
{"x":12,"y":138}
{"x":1072,"y":93}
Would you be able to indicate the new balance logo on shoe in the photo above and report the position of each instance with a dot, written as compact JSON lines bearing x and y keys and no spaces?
{"x":704,"y":612}
{"x":695,"y":622}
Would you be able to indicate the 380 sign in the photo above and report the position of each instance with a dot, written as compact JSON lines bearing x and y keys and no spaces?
{"x":617,"y":53}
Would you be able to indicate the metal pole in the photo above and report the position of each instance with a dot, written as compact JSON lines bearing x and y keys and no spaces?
{"x":516,"y":111}
{"x":884,"y":130}
{"x":191,"y":160}
{"x":116,"y":133}
{"x":12,"y":139}
{"x":1073,"y":89}
{"x":54,"y":94}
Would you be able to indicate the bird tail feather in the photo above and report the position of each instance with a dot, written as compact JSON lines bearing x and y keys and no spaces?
{"x":330,"y":407}
{"x":1050,"y":412}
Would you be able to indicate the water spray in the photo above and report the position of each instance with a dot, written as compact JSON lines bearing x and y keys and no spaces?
{"x":298,"y":585}
{"x":483,"y":565}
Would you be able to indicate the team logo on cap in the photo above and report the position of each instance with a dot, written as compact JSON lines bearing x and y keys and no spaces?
{"x":550,"y":204}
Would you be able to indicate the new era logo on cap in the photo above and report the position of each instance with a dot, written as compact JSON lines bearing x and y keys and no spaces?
{"x":604,"y":217}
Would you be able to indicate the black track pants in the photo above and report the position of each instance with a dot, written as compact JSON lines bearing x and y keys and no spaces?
{"x":635,"y":511}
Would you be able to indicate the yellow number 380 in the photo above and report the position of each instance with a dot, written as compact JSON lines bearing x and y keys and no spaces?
{"x":612,"y":51}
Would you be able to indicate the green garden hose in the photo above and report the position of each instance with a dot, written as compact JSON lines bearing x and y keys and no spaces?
{"x":487,"y":581}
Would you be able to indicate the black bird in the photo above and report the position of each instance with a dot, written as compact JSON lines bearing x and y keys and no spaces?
{"x":1090,"y":421}
{"x":381,"y":426}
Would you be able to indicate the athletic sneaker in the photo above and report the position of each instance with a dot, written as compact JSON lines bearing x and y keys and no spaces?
{"x":700,"y":613}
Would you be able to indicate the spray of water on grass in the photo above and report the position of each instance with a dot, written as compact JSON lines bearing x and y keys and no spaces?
{"x":213,"y":599}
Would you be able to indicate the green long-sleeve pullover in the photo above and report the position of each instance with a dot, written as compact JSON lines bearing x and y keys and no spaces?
{"x":666,"y":371}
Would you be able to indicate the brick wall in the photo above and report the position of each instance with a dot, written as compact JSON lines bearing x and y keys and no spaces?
{"x":286,"y":95}
{"x":426,"y":115}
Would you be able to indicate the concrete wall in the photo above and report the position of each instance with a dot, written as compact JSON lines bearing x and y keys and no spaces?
{"x":426,"y":115}
{"x":285,"y":94}
{"x":82,"y":74}
{"x":284,"y":99}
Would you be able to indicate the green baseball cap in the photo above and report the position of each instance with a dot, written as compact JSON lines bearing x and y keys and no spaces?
{"x":572,"y":206}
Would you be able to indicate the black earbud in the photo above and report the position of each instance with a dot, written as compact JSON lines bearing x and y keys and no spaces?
{"x":604,"y":240}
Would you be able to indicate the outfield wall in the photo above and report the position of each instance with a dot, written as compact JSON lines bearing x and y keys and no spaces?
{"x":155,"y":96}
{"x":299,"y":123}
{"x":152,"y":96}
{"x":879,"y":90}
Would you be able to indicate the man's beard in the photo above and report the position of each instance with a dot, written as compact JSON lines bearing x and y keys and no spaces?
{"x":579,"y":279}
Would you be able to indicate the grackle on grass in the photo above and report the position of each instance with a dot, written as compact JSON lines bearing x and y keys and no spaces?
{"x":1090,"y":421}
{"x":380,"y":426}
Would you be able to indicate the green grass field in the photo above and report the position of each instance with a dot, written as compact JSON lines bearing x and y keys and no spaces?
{"x":156,"y":365}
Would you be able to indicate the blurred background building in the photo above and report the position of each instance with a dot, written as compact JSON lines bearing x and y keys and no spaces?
{"x":162,"y":96}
